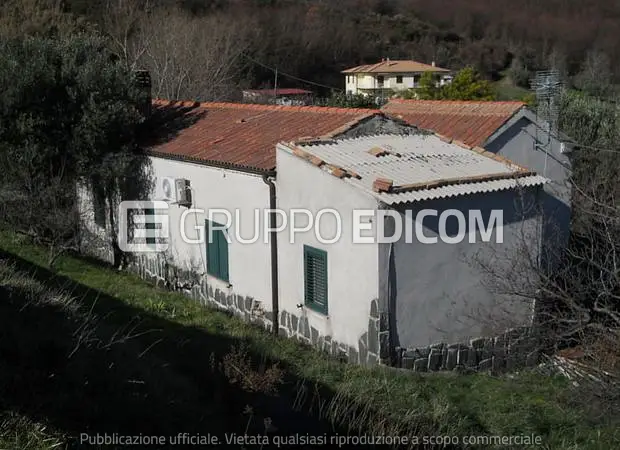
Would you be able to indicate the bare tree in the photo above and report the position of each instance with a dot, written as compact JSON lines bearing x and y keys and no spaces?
{"x":121,"y":23}
{"x":577,"y":299}
{"x":29,"y":17}
{"x":596,"y":73}
{"x":188,"y":57}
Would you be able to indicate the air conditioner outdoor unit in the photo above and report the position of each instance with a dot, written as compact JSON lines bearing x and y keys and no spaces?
{"x":167,"y":189}
{"x":183,"y":192}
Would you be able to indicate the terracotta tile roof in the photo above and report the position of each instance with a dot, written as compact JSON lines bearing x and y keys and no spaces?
{"x":393,"y":66}
{"x":471,"y":122}
{"x":280,"y":91}
{"x":242,"y":135}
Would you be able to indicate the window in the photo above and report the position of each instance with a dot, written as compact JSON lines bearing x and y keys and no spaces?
{"x":217,"y":250}
{"x":380,"y":80}
{"x":315,"y":279}
{"x":399,"y":79}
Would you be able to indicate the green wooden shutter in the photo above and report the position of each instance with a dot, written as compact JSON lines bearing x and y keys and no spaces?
{"x":217,"y":252}
{"x":212,"y":252}
{"x":315,"y":279}
{"x":223,"y":255}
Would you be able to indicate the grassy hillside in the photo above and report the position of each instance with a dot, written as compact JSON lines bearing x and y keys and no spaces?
{"x":90,"y":350}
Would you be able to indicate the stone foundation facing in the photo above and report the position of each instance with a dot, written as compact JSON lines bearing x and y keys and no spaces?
{"x":511,"y":350}
{"x":372,"y":345}
{"x":514,"y":348}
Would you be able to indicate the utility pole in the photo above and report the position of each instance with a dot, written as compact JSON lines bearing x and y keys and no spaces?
{"x":275,"y":88}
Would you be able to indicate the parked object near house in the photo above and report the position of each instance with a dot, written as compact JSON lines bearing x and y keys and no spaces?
{"x":280,"y":96}
{"x":508,"y":129}
{"x":381,"y":79}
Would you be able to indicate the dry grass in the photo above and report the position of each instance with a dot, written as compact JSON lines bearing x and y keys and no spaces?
{"x":182,"y":367}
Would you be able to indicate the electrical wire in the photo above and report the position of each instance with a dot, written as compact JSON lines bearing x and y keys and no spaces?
{"x":274,"y":70}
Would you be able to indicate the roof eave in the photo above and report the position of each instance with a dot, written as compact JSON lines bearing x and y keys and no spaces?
{"x":213,"y":163}
{"x":535,"y":181}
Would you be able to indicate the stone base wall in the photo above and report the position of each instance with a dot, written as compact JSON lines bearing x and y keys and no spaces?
{"x":513,"y":349}
{"x":372,"y":345}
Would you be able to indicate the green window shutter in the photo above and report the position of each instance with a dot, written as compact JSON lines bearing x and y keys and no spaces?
{"x":212,"y":252}
{"x":217,"y":252}
{"x":315,"y":279}
{"x":223,"y":255}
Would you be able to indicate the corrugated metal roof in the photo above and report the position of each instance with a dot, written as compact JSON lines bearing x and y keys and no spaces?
{"x":416,"y":161}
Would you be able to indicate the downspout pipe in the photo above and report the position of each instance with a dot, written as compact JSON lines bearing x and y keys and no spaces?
{"x":273,"y":240}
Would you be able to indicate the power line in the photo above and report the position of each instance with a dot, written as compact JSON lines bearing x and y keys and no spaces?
{"x":602,"y":149}
{"x":289,"y":75}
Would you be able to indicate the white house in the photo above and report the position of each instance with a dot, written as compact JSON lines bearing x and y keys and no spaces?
{"x":225,"y":154}
{"x":509,"y":129}
{"x":383,"y":78}
{"x":394,"y":300}
{"x":369,"y":302}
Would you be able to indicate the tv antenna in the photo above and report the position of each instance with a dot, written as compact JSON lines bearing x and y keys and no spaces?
{"x":547,"y":86}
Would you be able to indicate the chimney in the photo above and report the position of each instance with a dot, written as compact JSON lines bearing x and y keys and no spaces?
{"x":143,"y":82}
{"x":433,"y":63}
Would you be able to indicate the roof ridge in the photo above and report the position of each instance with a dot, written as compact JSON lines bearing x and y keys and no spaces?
{"x":263,"y":107}
{"x":483,"y":152}
{"x":494,"y":102}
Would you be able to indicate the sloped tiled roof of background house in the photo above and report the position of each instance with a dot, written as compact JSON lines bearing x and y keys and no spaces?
{"x":395,"y":66}
{"x":242,"y":135}
{"x":279,"y":91}
{"x":471,"y":122}
{"x":401,"y":169}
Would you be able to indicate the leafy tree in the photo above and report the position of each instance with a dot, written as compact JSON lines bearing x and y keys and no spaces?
{"x":68,"y":116}
{"x":428,"y":87}
{"x":467,"y":84}
{"x":529,"y":99}
{"x":342,"y":100}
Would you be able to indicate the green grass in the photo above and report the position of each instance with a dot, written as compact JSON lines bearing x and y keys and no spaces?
{"x":508,"y":91}
{"x":204,"y":371}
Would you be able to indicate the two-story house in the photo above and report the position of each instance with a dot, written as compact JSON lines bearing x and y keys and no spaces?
{"x":381,"y":79}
